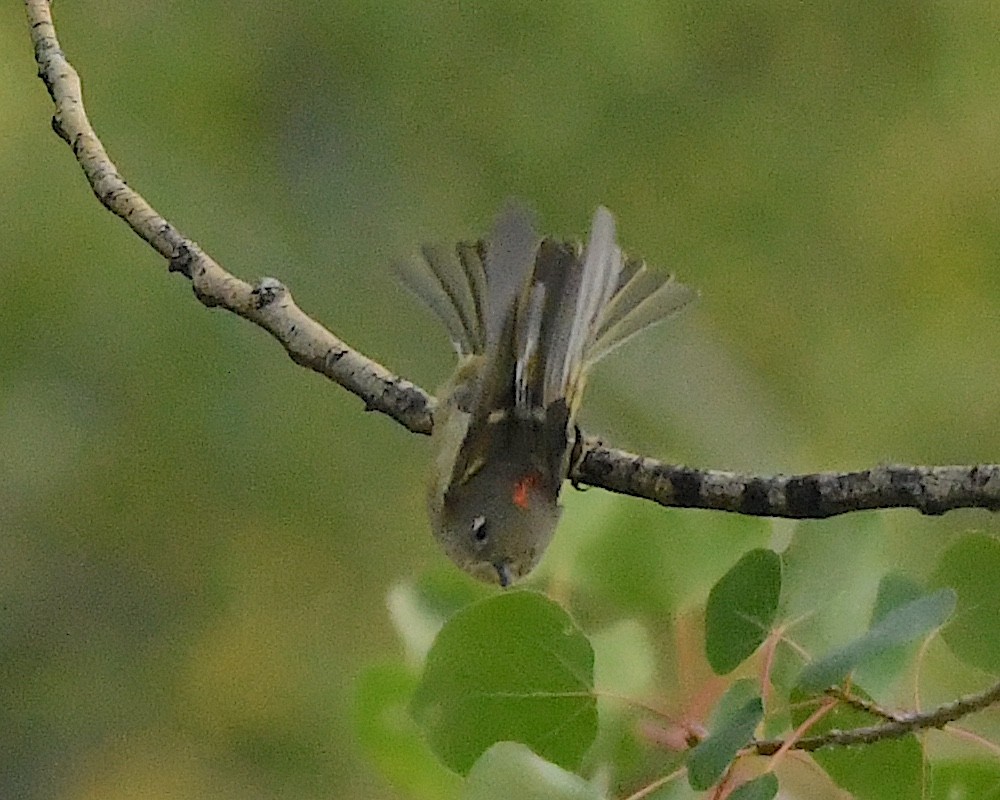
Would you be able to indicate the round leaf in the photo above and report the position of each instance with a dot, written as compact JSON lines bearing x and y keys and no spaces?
{"x":970,"y":567}
{"x":513,"y":667}
{"x":741,"y":608}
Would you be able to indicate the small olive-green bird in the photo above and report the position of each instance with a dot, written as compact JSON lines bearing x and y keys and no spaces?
{"x":528,"y":318}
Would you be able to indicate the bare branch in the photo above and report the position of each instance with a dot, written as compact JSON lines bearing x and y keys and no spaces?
{"x":269,"y":305}
{"x":903,"y":724}
{"x":861,"y":704}
{"x":930,"y":490}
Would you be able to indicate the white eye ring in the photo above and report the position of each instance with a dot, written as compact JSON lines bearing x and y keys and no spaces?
{"x":479,"y":528}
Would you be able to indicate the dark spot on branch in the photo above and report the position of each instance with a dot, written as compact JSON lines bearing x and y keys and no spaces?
{"x":905,"y":481}
{"x":754,"y":499}
{"x":978,"y":477}
{"x":634,"y":472}
{"x":333,"y":356}
{"x":267,"y":291}
{"x":58,"y":128}
{"x":181,"y":261}
{"x":596,"y":465}
{"x":687,"y":485}
{"x":206,"y":300}
{"x":802,"y":496}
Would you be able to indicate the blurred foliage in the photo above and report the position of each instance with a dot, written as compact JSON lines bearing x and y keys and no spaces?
{"x":197,"y":537}
{"x":971,"y":566}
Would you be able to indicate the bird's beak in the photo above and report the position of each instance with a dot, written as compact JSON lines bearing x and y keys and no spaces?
{"x":503,"y":572}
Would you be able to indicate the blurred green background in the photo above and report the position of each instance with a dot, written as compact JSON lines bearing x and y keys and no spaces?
{"x":197,"y":537}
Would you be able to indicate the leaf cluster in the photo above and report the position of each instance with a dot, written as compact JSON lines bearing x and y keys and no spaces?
{"x":586,"y":688}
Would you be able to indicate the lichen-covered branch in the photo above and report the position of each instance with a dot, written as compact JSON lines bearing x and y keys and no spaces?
{"x":930,"y":490}
{"x":902,"y":724}
{"x":268,"y":304}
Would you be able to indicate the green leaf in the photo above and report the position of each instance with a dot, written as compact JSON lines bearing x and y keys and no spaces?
{"x":965,"y":780}
{"x":886,"y":770}
{"x":737,"y":695}
{"x":709,"y":759}
{"x":905,"y":624}
{"x":764,"y":787}
{"x":741,"y":608}
{"x":511,"y":770}
{"x":971,"y":567}
{"x":894,"y":590}
{"x":392,"y":740}
{"x":513,"y":667}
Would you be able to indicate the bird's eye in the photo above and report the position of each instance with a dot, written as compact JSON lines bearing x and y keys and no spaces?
{"x":479,"y":530}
